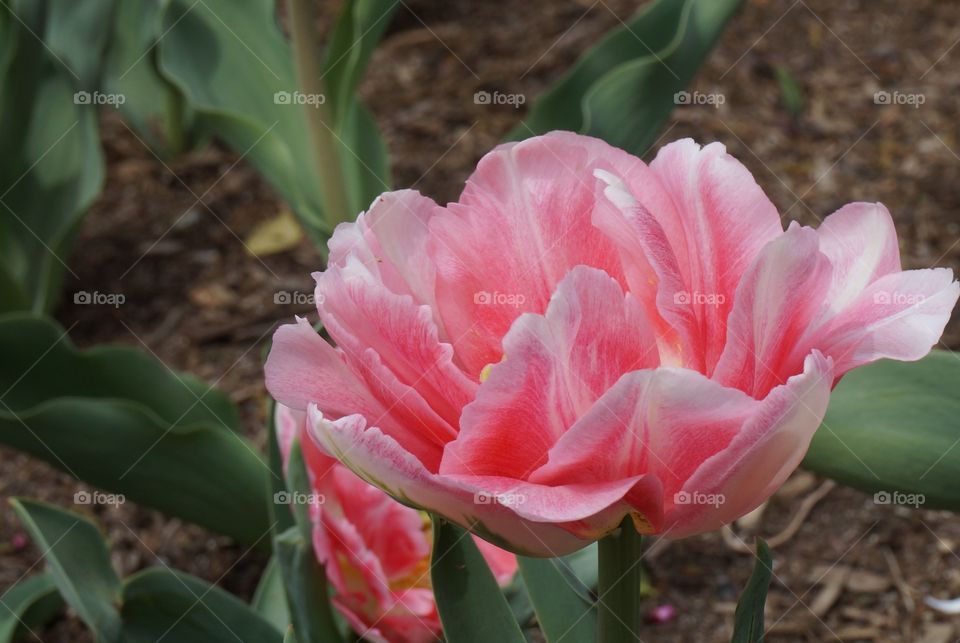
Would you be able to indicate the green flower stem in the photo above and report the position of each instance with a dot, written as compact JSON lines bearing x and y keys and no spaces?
{"x":320,"y":123}
{"x":618,"y":557}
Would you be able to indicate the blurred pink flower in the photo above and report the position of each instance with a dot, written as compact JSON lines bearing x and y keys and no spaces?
{"x":376,"y":551}
{"x":583,"y":336}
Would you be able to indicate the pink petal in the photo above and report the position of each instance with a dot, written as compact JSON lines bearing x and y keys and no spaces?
{"x":722,"y":220}
{"x":302,"y":369}
{"x":555,"y":367}
{"x":781,"y":294}
{"x":860,"y":241}
{"x":360,"y":313}
{"x":768,"y":447}
{"x":390,"y":239}
{"x":900,"y":316}
{"x":661,"y":422}
{"x":380,"y":460}
{"x":523,"y":220}
{"x":652,"y":271}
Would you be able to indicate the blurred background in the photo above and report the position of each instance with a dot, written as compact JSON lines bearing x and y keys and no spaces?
{"x":826,"y":101}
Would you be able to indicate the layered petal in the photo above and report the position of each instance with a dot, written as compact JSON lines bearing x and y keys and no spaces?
{"x":302,"y":369}
{"x":555,"y":366}
{"x":523,"y":220}
{"x":766,"y":449}
{"x":720,"y":220}
{"x":551,"y":521}
{"x":781,"y":294}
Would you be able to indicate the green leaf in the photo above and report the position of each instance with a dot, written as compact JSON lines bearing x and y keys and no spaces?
{"x":230,"y":61}
{"x":163,"y":604}
{"x":622,"y":90}
{"x":269,"y":599}
{"x":893,"y":428}
{"x":151,"y":104}
{"x":75,"y":34}
{"x":29,"y":604}
{"x":748,"y":620}
{"x":564,"y":607}
{"x":53,"y":166}
{"x":472,"y":607}
{"x":121,"y":421}
{"x":792,"y":94}
{"x":79,"y":562}
{"x":306,"y":586}
{"x":363,"y":152}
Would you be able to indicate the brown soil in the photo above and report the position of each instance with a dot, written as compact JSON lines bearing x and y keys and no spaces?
{"x":202,"y":304}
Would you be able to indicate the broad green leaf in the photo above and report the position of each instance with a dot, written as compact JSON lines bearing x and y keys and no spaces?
{"x":564,"y":607}
{"x":151,"y":105}
{"x":234,"y":67}
{"x":622,"y":90}
{"x":471,"y":605}
{"x":748,"y":620}
{"x":121,"y":421}
{"x":163,"y":604}
{"x":79,"y":562}
{"x":53,"y":166}
{"x":269,"y":599}
{"x":306,"y":585}
{"x":893,"y":429}
{"x":27,"y":606}
{"x":75,"y":33}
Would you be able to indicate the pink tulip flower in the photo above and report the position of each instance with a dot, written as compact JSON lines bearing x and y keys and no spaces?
{"x":376,"y":552}
{"x":584,"y":337}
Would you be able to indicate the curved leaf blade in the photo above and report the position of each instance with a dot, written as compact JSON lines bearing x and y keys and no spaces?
{"x":472,"y":607}
{"x":894,"y":428}
{"x":121,"y":421}
{"x":168,"y":605}
{"x":748,"y":619}
{"x":79,"y":563}
{"x":565,"y":610}
{"x":622,"y":90}
{"x":29,"y":604}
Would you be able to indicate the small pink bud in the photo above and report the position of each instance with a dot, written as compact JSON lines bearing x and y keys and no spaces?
{"x":19,"y":541}
{"x":662,"y":614}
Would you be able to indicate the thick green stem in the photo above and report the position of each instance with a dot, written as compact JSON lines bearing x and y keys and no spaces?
{"x":618,"y":557}
{"x":320,"y":124}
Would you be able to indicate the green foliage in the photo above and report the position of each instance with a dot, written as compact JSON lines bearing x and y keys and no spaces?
{"x":154,"y":604}
{"x":622,"y":89}
{"x":120,"y":420}
{"x":471,"y":605}
{"x":564,"y":606}
{"x":748,"y":620}
{"x":893,"y":428}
